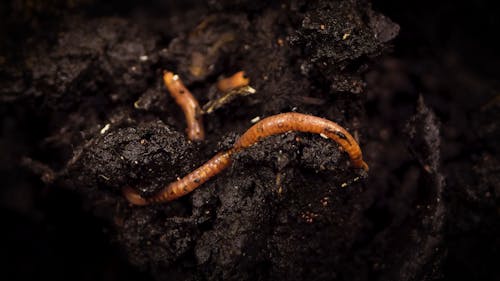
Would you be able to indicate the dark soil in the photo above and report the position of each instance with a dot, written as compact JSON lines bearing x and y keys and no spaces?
{"x":84,"y":113}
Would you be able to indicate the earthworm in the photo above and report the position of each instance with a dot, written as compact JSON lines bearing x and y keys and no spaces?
{"x":188,"y":104}
{"x":293,"y":121}
{"x":269,"y":126}
{"x":185,"y":185}
{"x":237,"y":80}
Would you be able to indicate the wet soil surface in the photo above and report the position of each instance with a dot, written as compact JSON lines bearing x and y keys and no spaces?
{"x":85,"y":113}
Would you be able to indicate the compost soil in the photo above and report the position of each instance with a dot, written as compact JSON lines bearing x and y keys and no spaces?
{"x":85,"y":113}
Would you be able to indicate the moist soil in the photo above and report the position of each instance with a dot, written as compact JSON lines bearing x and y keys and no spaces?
{"x":85,"y":113}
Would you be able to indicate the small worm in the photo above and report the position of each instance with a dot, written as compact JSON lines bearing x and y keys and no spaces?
{"x":188,"y":104}
{"x":237,"y":80}
{"x":269,"y":126}
{"x":185,"y":185}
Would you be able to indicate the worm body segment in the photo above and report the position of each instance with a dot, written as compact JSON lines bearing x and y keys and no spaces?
{"x":269,"y":126}
{"x":185,"y":185}
{"x":237,"y":80}
{"x":292,"y":121}
{"x":188,"y":104}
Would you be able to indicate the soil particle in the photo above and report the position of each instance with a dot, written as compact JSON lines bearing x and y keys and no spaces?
{"x":110,"y":58}
{"x":139,"y":156}
{"x":423,"y":131}
{"x":337,"y":37}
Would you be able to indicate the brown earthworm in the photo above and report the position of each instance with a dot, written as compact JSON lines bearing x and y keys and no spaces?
{"x":272,"y":125}
{"x":185,"y":185}
{"x":237,"y":80}
{"x":293,"y":121}
{"x":188,"y":104}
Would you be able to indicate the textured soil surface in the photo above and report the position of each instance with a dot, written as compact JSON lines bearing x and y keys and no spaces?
{"x":84,"y":112}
